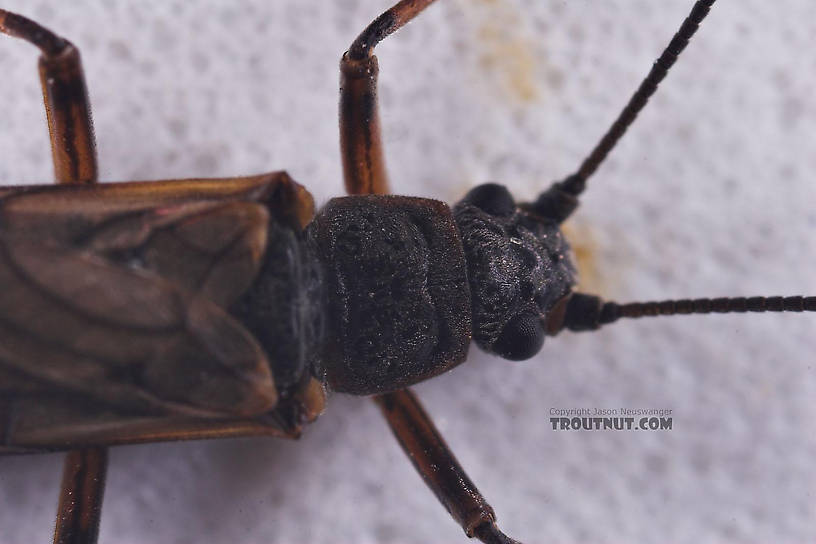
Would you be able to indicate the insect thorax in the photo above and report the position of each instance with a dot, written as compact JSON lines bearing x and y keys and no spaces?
{"x":398,"y":300}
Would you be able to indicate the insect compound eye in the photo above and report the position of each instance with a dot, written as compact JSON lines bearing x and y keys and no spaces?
{"x":521,"y":338}
{"x":492,"y":198}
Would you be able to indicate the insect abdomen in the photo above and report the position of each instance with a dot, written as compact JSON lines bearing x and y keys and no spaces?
{"x":399,"y":304}
{"x":284,"y":309}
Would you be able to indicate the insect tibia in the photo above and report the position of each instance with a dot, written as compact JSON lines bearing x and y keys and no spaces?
{"x":389,"y":22}
{"x":21,"y":27}
{"x":581,"y":312}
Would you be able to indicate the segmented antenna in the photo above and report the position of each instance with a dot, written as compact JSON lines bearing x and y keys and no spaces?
{"x":588,"y":312}
{"x":560,"y":200}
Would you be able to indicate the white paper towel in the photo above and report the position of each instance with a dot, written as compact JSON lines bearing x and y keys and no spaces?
{"x":710,"y":194}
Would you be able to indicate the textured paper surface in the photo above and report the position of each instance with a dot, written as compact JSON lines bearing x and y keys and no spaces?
{"x":711,"y":194}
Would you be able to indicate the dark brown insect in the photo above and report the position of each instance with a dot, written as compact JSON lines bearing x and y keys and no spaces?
{"x":549,"y":371}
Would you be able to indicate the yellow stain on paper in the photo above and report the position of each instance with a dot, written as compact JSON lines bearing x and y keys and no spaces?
{"x":506,"y":52}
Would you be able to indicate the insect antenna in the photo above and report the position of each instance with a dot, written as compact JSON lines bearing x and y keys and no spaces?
{"x":582,"y":312}
{"x":561,"y":199}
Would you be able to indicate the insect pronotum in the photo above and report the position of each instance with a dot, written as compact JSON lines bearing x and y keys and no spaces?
{"x":708,"y":195}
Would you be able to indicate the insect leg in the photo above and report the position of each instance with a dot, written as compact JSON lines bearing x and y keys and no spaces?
{"x":83,"y":484}
{"x":360,"y":140}
{"x":73,"y":149}
{"x":438,"y":466}
{"x":73,"y":145}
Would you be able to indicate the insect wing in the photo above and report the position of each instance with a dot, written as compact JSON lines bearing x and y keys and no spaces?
{"x":126,"y":337}
{"x":115,"y":295}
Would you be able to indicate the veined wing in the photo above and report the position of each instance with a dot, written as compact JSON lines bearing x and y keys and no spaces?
{"x":74,"y":322}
